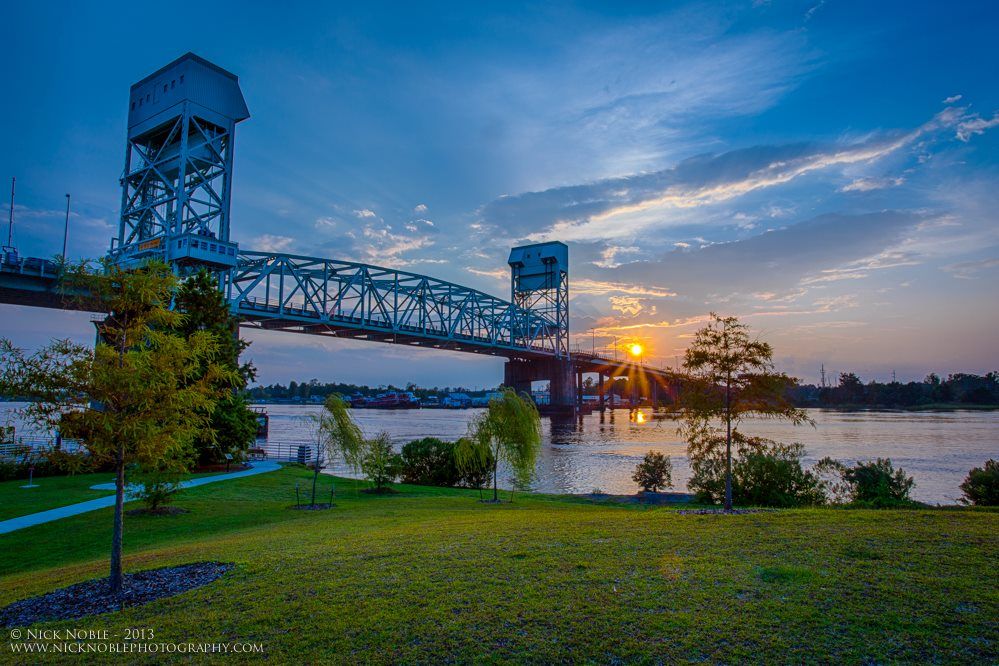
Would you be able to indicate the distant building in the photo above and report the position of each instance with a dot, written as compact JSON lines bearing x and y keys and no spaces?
{"x":483,"y":400}
{"x":457,"y":400}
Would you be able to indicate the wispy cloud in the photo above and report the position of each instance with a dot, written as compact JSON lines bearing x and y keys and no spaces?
{"x":972,"y":270}
{"x":868,"y":184}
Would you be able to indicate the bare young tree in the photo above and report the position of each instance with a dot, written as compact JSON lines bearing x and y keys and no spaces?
{"x":730,"y":376}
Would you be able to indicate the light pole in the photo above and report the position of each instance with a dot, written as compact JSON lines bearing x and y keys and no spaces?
{"x":65,"y":233}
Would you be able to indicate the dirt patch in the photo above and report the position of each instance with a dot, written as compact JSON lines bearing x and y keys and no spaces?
{"x":730,"y":512}
{"x":92,"y":597}
{"x":653,"y":499}
{"x":158,"y":511}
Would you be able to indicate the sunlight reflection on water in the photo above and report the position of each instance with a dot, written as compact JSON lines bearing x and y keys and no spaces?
{"x":600,"y":452}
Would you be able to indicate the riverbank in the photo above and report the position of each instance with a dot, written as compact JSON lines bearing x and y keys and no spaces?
{"x":431,"y":574}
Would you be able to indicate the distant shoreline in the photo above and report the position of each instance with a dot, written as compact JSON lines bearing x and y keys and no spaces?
{"x":932,"y":407}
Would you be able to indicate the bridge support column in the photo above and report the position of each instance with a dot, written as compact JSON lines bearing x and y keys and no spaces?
{"x":600,"y":389}
{"x":519,"y":373}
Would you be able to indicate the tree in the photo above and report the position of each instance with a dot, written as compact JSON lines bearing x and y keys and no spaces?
{"x":335,"y":434}
{"x":730,"y":377}
{"x":508,"y":431}
{"x":233,"y":425}
{"x":379,"y":462}
{"x":139,"y":396}
{"x":654,"y":472}
{"x":981,"y":487}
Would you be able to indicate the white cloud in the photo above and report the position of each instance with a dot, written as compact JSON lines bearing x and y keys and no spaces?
{"x":272,"y":243}
{"x":420,"y":208}
{"x":869,"y":184}
{"x":626,"y":305}
{"x":975,"y":124}
{"x":952,"y":99}
{"x":365,"y":213}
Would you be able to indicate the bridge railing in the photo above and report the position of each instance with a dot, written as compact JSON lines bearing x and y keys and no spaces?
{"x":363,"y":296}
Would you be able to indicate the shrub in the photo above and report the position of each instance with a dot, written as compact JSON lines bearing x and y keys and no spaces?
{"x":379,"y":463}
{"x":654,"y":472}
{"x":764,"y":473}
{"x":430,"y":462}
{"x":773,"y":476}
{"x":875,"y":483}
{"x":158,"y":487}
{"x":981,"y":487}
{"x":878,"y":484}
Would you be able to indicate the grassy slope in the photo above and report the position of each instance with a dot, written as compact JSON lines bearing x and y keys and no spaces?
{"x":432,"y":574}
{"x":53,"y":492}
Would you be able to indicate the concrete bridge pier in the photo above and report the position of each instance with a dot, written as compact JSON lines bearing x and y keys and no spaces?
{"x":519,"y":373}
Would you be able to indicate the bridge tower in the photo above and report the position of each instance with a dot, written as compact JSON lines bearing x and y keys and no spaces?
{"x":539,"y":282}
{"x":177,"y":180}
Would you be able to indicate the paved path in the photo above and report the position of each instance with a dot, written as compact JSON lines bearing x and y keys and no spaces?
{"x":103,"y":502}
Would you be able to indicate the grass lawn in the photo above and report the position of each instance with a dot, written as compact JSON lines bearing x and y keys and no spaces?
{"x":53,"y":492}
{"x":431,"y":575}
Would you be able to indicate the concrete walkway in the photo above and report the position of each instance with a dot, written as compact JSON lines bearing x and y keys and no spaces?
{"x":103,"y":502}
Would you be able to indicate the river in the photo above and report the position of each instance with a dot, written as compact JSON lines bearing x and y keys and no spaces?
{"x":600,"y":452}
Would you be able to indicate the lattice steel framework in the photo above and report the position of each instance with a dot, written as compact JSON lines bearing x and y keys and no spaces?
{"x":177,"y":180}
{"x":539,"y":282}
{"x":345,"y":299}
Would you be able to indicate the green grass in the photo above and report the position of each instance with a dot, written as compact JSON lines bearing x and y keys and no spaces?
{"x":431,"y":575}
{"x":53,"y":492}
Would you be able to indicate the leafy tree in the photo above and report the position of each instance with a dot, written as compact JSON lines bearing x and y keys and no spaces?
{"x":335,"y":434}
{"x":140,"y":396}
{"x":654,"y":472}
{"x":730,"y":377}
{"x":379,"y":462}
{"x":233,"y":425}
{"x":509,"y":431}
{"x":981,"y":487}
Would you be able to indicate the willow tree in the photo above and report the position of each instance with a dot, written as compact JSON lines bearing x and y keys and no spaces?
{"x":336,"y":435}
{"x":139,"y":396}
{"x":731,"y":376}
{"x":509,"y":431}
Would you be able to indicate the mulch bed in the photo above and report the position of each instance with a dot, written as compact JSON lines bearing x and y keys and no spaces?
{"x":158,"y":511}
{"x":654,"y":499}
{"x":313,"y":507}
{"x":92,"y":597}
{"x":731,"y":512}
{"x":384,"y":490}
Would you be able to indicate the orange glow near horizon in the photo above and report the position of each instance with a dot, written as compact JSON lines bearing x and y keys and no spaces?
{"x":636,"y":349}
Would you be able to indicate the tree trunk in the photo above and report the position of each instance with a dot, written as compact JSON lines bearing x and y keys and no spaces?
{"x":315,"y":478}
{"x":728,"y":444}
{"x":116,"y":534}
{"x":495,"y":475}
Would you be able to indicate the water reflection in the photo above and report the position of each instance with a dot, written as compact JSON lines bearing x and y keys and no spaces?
{"x":600,"y":450}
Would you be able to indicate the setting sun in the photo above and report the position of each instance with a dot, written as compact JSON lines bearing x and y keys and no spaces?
{"x":636,"y":349}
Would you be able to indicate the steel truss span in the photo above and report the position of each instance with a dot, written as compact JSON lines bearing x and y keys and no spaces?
{"x":345,"y":299}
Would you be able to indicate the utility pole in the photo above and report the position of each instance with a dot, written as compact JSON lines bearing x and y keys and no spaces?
{"x":65,"y":233}
{"x":10,"y":225}
{"x":823,"y":372}
{"x":593,"y":342}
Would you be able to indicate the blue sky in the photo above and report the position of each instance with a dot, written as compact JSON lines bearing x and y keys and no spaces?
{"x":827,"y":170}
